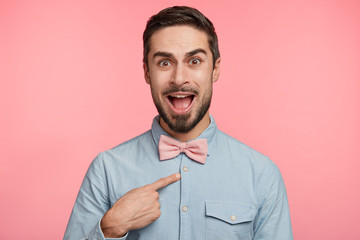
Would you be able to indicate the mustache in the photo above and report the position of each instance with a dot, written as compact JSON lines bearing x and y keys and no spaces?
{"x":175,"y":89}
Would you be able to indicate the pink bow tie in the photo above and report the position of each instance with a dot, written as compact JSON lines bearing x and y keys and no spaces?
{"x":170,"y":148}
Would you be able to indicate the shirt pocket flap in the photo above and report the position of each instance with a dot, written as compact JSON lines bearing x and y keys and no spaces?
{"x":232,"y":213}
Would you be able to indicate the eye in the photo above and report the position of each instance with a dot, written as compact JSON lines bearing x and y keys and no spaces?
{"x":164,"y":63}
{"x":194,"y":61}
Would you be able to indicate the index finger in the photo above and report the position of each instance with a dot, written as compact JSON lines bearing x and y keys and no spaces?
{"x":163,"y":182}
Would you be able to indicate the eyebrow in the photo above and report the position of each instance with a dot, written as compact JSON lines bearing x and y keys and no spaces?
{"x":163,"y":54}
{"x":170,"y":55}
{"x":196,"y":51}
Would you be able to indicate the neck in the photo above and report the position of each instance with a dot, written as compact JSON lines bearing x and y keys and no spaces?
{"x":194,"y":133}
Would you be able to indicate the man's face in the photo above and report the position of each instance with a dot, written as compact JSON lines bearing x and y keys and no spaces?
{"x":180,"y":73}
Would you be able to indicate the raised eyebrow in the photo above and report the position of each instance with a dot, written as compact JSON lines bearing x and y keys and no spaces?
{"x":162,"y":54}
{"x":196,"y":51}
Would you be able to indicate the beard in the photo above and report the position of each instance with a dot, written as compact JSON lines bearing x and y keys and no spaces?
{"x":182,"y":123}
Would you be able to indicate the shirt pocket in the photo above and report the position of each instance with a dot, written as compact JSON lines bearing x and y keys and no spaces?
{"x":228,"y":220}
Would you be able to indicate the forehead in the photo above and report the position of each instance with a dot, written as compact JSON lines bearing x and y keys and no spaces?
{"x":178,"y":40}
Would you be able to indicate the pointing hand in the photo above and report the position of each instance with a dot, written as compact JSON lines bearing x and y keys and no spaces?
{"x":136,"y":209}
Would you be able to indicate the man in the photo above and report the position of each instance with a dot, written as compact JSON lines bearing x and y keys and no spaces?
{"x":211,"y":186}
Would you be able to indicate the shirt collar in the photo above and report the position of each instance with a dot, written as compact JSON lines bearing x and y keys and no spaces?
{"x":209,"y":133}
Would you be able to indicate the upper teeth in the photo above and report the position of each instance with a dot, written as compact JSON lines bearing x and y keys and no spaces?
{"x":180,"y":96}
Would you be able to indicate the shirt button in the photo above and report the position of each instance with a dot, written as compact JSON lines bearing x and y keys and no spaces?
{"x":185,"y":208}
{"x":233,"y":217}
{"x":185,"y":169}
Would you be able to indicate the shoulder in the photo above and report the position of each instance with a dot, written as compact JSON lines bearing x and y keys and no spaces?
{"x":241,"y":148}
{"x":145,"y":138}
{"x":128,"y":149}
{"x":246,"y":155}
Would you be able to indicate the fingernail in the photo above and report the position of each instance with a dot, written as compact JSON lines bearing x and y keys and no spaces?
{"x":177,"y":175}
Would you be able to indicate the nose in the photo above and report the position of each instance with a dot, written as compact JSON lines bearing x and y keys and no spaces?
{"x":180,"y":77}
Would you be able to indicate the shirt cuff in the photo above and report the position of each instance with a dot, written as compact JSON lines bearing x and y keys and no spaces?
{"x":103,"y":237}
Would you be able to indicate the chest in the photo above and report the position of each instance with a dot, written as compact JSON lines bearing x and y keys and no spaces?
{"x":212,"y":201}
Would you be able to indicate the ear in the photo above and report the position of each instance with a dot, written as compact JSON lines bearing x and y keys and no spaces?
{"x":216,"y":70}
{"x":146,"y":73}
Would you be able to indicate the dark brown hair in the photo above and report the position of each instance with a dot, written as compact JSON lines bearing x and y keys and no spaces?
{"x":180,"y":16}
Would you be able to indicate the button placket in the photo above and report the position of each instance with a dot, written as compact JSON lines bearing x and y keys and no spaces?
{"x":185,"y":219}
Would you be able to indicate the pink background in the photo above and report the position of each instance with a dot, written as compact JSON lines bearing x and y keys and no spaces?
{"x":72,"y":86}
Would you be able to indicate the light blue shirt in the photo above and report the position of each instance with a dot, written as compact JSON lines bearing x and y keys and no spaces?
{"x":237,"y":194}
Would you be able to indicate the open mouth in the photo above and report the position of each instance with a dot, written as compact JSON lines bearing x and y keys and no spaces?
{"x":180,"y":102}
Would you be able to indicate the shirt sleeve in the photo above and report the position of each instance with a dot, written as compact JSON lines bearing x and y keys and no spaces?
{"x":91,"y":204}
{"x":273,"y":219}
